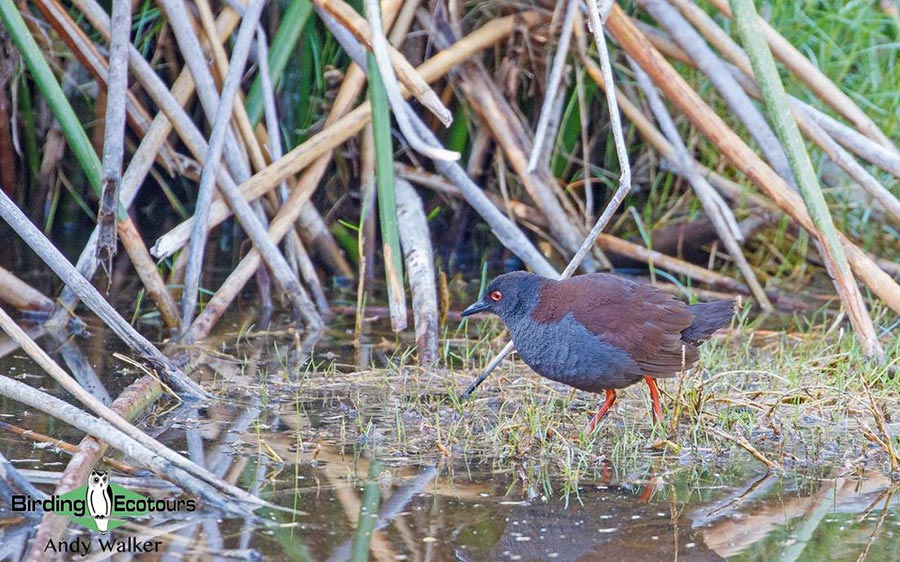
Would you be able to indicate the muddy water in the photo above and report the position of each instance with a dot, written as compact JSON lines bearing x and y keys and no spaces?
{"x":363,"y":477}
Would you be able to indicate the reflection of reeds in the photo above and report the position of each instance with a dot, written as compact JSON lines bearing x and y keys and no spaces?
{"x":729,"y":536}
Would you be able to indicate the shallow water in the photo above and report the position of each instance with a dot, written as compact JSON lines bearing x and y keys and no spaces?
{"x":363,"y":477}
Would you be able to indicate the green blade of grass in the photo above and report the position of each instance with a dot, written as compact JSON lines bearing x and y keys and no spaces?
{"x":283,"y":45}
{"x":56,"y":100}
{"x":387,"y":205}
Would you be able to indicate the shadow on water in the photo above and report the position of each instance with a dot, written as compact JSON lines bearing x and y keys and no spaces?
{"x":365,"y":485}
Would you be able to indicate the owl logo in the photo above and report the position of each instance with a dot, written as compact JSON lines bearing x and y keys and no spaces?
{"x":99,"y":499}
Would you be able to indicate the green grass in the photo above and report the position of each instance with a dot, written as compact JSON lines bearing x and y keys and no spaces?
{"x":796,"y":396}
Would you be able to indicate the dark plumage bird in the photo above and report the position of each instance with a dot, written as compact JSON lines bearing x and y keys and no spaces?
{"x":599,"y":332}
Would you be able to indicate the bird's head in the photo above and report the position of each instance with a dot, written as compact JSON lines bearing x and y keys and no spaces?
{"x":510,"y":296}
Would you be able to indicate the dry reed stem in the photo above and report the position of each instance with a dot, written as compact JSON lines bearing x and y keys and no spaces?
{"x":20,"y":294}
{"x":810,"y":120}
{"x":888,"y":202}
{"x":140,"y":164}
{"x":96,"y":64}
{"x":723,"y":42}
{"x":218,"y":112}
{"x":92,"y":298}
{"x":886,"y":496}
{"x":730,"y":189}
{"x":296,"y":250}
{"x":113,"y":133}
{"x":221,"y":65}
{"x":221,"y":110}
{"x":133,"y":244}
{"x":716,"y":208}
{"x":417,"y":250}
{"x":510,"y":133}
{"x":297,"y":256}
{"x":706,"y":120}
{"x":67,"y":447}
{"x":807,"y":116}
{"x":146,"y":269}
{"x":366,"y":234}
{"x":151,"y":458}
{"x":861,"y":145}
{"x":381,"y":54}
{"x":744,"y":444}
{"x":553,"y":83}
{"x":675,"y":265}
{"x":170,"y":459}
{"x":713,"y":67}
{"x":160,"y":94}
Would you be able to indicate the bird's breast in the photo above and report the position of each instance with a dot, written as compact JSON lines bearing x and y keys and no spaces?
{"x":567,"y":352}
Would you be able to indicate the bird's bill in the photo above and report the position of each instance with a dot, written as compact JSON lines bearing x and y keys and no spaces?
{"x":475,"y":308}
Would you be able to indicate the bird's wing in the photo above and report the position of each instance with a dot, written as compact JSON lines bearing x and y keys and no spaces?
{"x":641,"y":320}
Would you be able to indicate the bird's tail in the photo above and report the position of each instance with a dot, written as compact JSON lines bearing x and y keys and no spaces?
{"x":708,"y":317}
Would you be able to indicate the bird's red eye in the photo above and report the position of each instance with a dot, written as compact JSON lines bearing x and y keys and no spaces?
{"x":496,"y":296}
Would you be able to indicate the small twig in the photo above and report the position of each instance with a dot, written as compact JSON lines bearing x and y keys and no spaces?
{"x":65,"y":446}
{"x":887,"y":442}
{"x":745,"y":445}
{"x":879,"y":524}
{"x":553,"y":83}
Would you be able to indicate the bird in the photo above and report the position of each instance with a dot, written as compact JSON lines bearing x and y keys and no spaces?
{"x":599,"y":332}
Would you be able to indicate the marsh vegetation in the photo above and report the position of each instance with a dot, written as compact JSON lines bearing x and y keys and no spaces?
{"x":271,"y":249}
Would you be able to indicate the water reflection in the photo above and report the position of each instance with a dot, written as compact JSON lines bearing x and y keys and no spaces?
{"x":361,"y":509}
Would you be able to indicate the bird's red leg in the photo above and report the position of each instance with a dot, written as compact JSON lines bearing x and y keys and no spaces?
{"x":607,"y":404}
{"x":654,"y":399}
